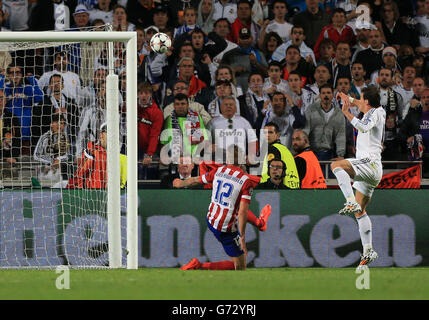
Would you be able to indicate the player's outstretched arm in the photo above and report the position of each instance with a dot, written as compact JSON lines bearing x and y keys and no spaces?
{"x":191,"y":182}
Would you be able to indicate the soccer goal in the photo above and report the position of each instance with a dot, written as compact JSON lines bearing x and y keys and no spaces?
{"x":68,"y":175}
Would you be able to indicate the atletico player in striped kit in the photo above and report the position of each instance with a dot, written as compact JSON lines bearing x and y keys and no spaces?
{"x":231,"y":195}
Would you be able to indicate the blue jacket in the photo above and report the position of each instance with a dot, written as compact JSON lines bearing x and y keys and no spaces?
{"x":20,"y":101}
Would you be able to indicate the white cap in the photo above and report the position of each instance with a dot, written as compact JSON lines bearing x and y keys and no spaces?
{"x":151,"y":27}
{"x":365,"y":25}
{"x":81,"y":8}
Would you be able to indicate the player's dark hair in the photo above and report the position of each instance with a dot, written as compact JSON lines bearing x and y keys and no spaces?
{"x":372,"y":94}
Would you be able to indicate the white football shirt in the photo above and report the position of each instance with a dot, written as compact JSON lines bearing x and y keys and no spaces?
{"x":369,"y":142}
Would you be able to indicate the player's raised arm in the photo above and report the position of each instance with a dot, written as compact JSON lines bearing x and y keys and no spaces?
{"x":370,"y":118}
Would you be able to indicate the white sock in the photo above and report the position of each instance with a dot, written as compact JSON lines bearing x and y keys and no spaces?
{"x":365,"y":231}
{"x":345,"y":184}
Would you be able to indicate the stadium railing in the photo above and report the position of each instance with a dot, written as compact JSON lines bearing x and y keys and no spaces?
{"x":24,"y":171}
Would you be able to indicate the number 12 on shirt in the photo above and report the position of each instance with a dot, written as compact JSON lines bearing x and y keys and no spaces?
{"x":223,"y":191}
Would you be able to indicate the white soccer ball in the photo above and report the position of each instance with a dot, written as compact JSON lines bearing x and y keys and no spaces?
{"x":160,"y":42}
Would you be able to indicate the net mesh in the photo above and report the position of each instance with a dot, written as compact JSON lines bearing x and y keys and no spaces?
{"x":53,"y":152}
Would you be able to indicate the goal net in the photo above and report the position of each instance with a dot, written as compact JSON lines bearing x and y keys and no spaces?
{"x":68,"y":150}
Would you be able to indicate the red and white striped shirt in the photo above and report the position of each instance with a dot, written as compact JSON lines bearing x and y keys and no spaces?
{"x":230,"y":186}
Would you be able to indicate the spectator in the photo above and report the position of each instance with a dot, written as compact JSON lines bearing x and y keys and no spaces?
{"x":276,"y":150}
{"x":244,"y":21}
{"x":71,"y":79}
{"x":102,"y":10}
{"x":17,"y":13}
{"x":358,"y":79}
{"x":222,"y":27}
{"x":10,"y":139}
{"x":161,"y":18}
{"x":22,"y":94}
{"x":309,"y":170}
{"x":91,"y":119}
{"x":181,"y":86}
{"x":418,"y":87}
{"x":392,"y":103}
{"x":312,"y":21}
{"x":255,"y":101}
{"x":88,"y":94}
{"x":55,"y":103}
{"x":190,"y":15}
{"x":340,"y":65}
{"x":184,"y":130}
{"x":271,"y":42}
{"x":287,"y":117}
{"x":120,"y":19}
{"x":150,"y":122}
{"x":419,"y":64}
{"x":278,"y":24}
{"x":198,"y":90}
{"x":169,"y":68}
{"x":81,"y":17}
{"x":276,"y":172}
{"x":294,"y":62}
{"x":338,"y":31}
{"x":229,"y":129}
{"x":225,"y":9}
{"x":206,"y":46}
{"x":415,"y":128}
{"x":53,"y":151}
{"x":371,"y":58}
{"x":224,"y":72}
{"x":223,"y":89}
{"x":405,"y":88}
{"x":423,"y":30}
{"x":389,"y":59}
{"x":245,"y":59}
{"x":301,"y":97}
{"x":184,"y":171}
{"x":362,"y":36}
{"x":325,"y":127}
{"x":205,"y":15}
{"x":297,"y":39}
{"x":321,"y":76}
{"x":140,"y":12}
{"x":327,"y":51}
{"x":176,"y":10}
{"x":49,"y":15}
{"x":274,"y":82}
{"x":396,"y":33}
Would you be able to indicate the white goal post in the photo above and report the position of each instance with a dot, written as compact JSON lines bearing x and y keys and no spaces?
{"x":113,"y":171}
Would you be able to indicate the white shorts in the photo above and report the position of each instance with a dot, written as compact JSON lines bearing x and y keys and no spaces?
{"x":368,"y":174}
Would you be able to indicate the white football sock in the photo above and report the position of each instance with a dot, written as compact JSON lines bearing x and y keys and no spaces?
{"x":345,"y":184}
{"x":365,"y":231}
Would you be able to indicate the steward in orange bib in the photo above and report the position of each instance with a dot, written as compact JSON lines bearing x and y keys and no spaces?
{"x":309,"y":170}
{"x":92,"y":171}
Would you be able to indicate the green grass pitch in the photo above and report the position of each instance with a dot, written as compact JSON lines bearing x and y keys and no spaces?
{"x":252,"y":284}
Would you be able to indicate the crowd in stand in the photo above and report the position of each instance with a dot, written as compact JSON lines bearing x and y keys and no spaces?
{"x":233,"y":66}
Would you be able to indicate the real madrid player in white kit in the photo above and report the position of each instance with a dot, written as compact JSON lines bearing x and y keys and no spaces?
{"x":366,"y":169}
